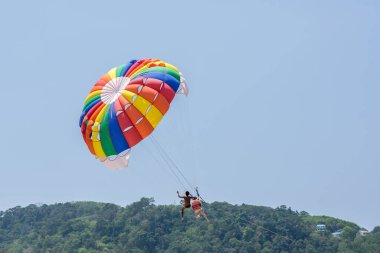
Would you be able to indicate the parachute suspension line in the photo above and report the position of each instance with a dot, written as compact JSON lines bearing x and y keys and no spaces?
{"x":190,"y":132}
{"x":165,"y":154}
{"x":174,"y":174}
{"x":170,"y":162}
{"x":198,"y":195}
{"x":169,"y":169}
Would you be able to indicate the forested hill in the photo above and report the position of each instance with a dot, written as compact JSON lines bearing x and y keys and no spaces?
{"x":145,"y":227}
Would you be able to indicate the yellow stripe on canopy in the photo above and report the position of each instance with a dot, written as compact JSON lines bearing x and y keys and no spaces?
{"x":154,"y":116}
{"x":167,"y":65}
{"x":92,"y":94}
{"x":112,"y":73}
{"x":95,"y":133}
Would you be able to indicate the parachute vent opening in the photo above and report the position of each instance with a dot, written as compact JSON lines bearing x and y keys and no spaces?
{"x":148,"y":109}
{"x":127,"y":129}
{"x":126,"y":106}
{"x":112,"y":90}
{"x":139,"y":120}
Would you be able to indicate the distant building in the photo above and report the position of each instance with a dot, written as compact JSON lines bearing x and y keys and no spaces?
{"x":337,"y":233}
{"x":363,"y":232}
{"x":321,"y":228}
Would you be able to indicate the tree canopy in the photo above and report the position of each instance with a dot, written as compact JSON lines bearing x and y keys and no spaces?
{"x":145,"y":227}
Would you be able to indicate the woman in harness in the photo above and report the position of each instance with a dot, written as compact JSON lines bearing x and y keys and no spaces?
{"x":186,"y":202}
{"x":197,"y":207}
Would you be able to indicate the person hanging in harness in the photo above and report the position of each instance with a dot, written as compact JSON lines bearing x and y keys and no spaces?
{"x":197,"y":208}
{"x":186,"y":202}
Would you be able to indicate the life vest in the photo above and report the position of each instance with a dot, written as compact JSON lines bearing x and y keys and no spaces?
{"x":196,"y":205}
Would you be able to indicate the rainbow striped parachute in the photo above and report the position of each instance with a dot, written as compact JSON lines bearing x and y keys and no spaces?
{"x":125,"y":106}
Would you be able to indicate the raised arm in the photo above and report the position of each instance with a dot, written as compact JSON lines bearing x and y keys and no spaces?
{"x":179,"y":195}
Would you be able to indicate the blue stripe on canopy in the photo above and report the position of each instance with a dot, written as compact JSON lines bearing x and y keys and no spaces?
{"x":168,"y":79}
{"x":117,"y":137}
{"x":85,"y":111}
{"x":127,"y":66}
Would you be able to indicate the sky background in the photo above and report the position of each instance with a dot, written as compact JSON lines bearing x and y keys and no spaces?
{"x":283,"y":105}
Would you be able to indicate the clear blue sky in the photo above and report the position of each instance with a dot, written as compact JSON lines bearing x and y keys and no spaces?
{"x":283,"y":105}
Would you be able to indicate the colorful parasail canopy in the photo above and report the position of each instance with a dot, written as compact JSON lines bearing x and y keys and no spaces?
{"x":125,"y":106}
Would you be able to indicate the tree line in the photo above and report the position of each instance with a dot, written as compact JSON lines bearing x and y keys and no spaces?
{"x":89,"y":227}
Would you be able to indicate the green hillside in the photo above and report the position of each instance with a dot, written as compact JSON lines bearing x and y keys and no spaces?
{"x":145,"y":227}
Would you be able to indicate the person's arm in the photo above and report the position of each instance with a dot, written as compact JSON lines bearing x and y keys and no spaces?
{"x":181,"y":197}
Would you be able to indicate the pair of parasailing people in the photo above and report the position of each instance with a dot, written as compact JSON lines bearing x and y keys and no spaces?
{"x":194,"y":202}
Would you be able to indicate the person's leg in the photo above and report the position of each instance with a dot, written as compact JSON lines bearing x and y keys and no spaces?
{"x":197,"y":214}
{"x":182,"y":210}
{"x":204,"y":215}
